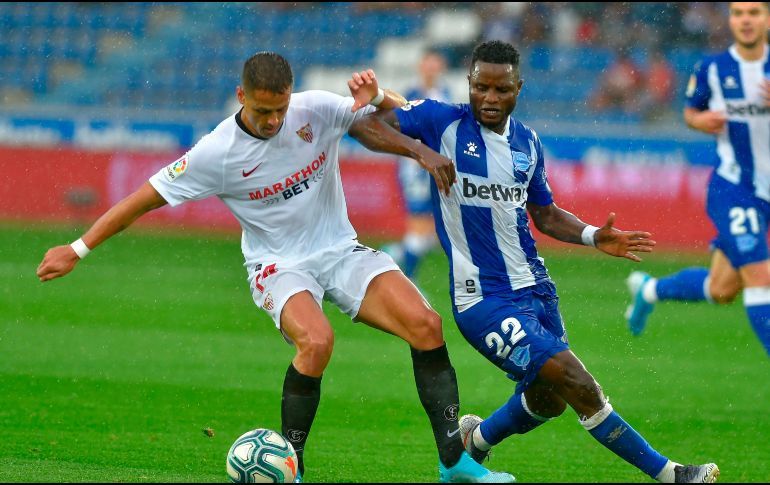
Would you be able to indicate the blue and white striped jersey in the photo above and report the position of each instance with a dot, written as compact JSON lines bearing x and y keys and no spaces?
{"x":725,"y":82}
{"x":483,"y":224}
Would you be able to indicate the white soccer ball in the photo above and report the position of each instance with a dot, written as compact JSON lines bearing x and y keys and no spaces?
{"x":262,"y":456}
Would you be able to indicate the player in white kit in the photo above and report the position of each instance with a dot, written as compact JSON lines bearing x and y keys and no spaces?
{"x":275,"y":165}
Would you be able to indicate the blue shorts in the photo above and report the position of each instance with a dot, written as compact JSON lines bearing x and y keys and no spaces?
{"x":518,"y":332}
{"x":415,"y":186}
{"x":741,"y":221}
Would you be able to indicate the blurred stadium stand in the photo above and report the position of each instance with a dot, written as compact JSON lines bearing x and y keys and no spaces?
{"x":95,"y":97}
{"x":184,"y":57}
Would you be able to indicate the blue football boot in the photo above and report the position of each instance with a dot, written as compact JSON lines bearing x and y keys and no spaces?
{"x":638,"y":311}
{"x":468,"y":471}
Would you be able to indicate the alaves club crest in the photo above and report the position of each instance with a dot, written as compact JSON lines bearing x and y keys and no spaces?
{"x":306,"y":133}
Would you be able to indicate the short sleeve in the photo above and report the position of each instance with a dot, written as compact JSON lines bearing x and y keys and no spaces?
{"x":425,"y":120}
{"x":196,"y":175}
{"x":539,"y":191}
{"x":698,"y":91}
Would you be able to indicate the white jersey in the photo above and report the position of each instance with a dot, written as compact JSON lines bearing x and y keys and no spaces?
{"x":286,"y":191}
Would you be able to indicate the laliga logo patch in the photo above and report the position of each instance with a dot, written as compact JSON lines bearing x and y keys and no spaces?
{"x":412,"y":104}
{"x":296,"y":435}
{"x":451,"y":411}
{"x":691,"y":85}
{"x":306,"y":133}
{"x":176,"y":169}
{"x":268,"y":304}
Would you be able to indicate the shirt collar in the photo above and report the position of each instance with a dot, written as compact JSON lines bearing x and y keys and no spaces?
{"x":505,"y":134}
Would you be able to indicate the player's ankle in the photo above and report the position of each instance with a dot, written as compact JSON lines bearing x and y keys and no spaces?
{"x":478,"y":440}
{"x":666,"y":475}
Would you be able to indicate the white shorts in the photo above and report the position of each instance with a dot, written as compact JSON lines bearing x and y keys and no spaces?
{"x":340,"y":274}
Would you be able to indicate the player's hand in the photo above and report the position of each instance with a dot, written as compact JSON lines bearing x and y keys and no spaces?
{"x":57,"y":262}
{"x":712,"y":122}
{"x":622,"y":244}
{"x":440,"y":167}
{"x":363,"y":87}
{"x":765,"y":91}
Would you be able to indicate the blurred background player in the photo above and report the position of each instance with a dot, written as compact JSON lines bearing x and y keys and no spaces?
{"x":420,"y":236}
{"x":504,"y":301}
{"x":275,"y":166}
{"x":728,"y":96}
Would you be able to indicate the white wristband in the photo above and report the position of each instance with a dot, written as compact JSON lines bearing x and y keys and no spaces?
{"x":588,"y":235}
{"x":377,"y":100}
{"x":80,"y":248}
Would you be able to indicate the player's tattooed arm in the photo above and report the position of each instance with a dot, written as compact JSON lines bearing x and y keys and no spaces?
{"x":60,"y":260}
{"x":380,"y":132}
{"x":565,"y":226}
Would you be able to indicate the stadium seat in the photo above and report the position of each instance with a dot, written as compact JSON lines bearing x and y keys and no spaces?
{"x":166,"y":48}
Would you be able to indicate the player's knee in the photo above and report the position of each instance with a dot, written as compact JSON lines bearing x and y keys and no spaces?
{"x":578,"y":387}
{"x":723,"y":293}
{"x":555,"y":408}
{"x":425,"y":331}
{"x":315,"y":351}
{"x":550,"y":408}
{"x":580,"y":381}
{"x":544,"y":402}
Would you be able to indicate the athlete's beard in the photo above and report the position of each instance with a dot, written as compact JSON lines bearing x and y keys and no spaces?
{"x":751,"y":45}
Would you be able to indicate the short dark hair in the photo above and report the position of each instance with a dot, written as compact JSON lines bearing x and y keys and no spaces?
{"x":267,"y":71}
{"x":495,"y":52}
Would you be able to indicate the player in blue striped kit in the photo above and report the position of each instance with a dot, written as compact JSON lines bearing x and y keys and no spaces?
{"x":728,"y":96}
{"x":504,"y":301}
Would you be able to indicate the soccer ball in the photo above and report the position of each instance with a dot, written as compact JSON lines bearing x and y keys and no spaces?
{"x":261,"y":456}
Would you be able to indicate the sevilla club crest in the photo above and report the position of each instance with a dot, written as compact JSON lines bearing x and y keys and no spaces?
{"x":306,"y":133}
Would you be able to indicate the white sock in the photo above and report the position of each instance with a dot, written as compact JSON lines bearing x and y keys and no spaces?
{"x":418,"y":244}
{"x":666,"y":475}
{"x":479,"y":441}
{"x":706,"y":292}
{"x":650,"y":291}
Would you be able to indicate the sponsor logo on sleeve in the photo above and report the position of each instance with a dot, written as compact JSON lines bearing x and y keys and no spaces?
{"x":175,"y":170}
{"x":691,"y":85}
{"x":412,"y":104}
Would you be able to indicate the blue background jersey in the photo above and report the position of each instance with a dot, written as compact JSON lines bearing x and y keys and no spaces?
{"x":727,"y":83}
{"x":483,"y":224}
{"x":413,"y":180}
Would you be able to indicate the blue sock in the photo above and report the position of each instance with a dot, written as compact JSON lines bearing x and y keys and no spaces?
{"x":410,"y":263}
{"x":511,"y":418}
{"x":686,"y":285}
{"x":757,"y":302}
{"x":609,"y":429}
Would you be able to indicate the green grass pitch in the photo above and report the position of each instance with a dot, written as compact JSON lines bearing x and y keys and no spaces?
{"x":113,"y":372}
